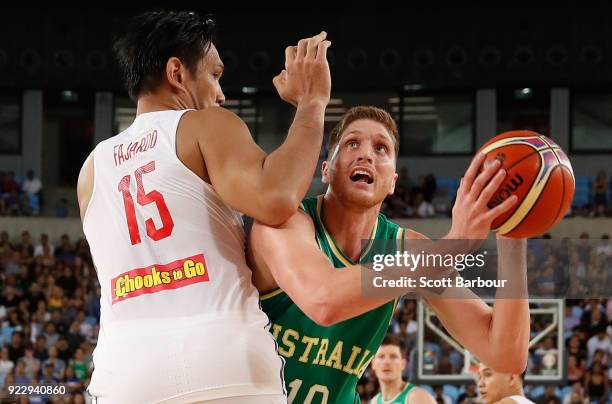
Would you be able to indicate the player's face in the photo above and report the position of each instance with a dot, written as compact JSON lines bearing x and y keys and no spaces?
{"x":492,"y":385}
{"x":204,"y":89}
{"x":388,"y":363}
{"x":361,"y":170}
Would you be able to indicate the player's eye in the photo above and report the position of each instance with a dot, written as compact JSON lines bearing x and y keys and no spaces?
{"x":352,"y":144}
{"x":381,"y":148}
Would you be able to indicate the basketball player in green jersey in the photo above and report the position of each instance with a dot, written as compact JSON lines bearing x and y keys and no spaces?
{"x":388,"y":365}
{"x":326,"y":331}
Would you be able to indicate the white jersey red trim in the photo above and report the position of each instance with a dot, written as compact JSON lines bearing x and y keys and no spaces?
{"x":180,"y":317}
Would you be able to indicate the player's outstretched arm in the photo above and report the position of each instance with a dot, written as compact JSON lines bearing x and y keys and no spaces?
{"x":288,"y":257}
{"x":498,"y":335}
{"x":270,"y":187}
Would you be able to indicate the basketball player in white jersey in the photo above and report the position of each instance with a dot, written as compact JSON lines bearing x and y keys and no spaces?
{"x":180,"y":318}
{"x":500,"y":388}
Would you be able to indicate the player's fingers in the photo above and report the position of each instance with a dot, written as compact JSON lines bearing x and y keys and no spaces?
{"x":313,"y":43}
{"x":290,"y":52}
{"x":279,"y":79}
{"x":483,"y":178}
{"x":500,"y":209}
{"x":492,"y":187}
{"x":472,"y":171}
{"x":322,"y":51}
{"x":301,"y":49}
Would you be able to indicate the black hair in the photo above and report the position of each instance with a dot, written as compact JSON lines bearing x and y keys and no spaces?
{"x":391,"y":339}
{"x":151,"y":38}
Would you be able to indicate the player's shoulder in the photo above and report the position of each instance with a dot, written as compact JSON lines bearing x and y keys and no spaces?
{"x":212,"y":116}
{"x":419,"y":395}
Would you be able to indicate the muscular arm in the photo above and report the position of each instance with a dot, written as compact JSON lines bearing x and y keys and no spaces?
{"x":267,"y":187}
{"x":498,"y":335}
{"x":288,"y":257}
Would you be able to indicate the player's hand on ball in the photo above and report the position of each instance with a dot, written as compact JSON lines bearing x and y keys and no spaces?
{"x":472,"y":217}
{"x":306,"y":77}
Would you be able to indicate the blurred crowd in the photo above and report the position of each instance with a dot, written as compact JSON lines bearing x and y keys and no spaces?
{"x":20,"y":197}
{"x":50,"y":311}
{"x":49,"y":315}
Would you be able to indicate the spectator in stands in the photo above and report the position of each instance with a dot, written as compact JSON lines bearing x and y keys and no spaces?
{"x":423,"y":208}
{"x":605,"y":248}
{"x":44,"y":242}
{"x":599,"y":342}
{"x":65,"y":252}
{"x":51,"y":334}
{"x":593,"y":317}
{"x":16,"y":348}
{"x":440,"y":397}
{"x":58,"y":365}
{"x":576,"y":395}
{"x":32,"y":186}
{"x":596,"y":384}
{"x":429,"y":187}
{"x":40,"y":349}
{"x":575,"y":369}
{"x":10,"y":184}
{"x":549,"y":396}
{"x":73,"y":383}
{"x":470,"y":396}
{"x":31,"y":364}
{"x":25,"y":248}
{"x":404,"y":179}
{"x":6,"y":364}
{"x":600,"y":194}
{"x":21,"y":378}
{"x":61,"y":208}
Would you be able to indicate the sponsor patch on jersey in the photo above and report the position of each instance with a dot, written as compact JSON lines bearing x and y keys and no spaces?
{"x":158,"y":277}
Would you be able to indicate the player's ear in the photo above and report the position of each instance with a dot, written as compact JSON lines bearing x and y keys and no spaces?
{"x":175,"y":74}
{"x":393,"y":181}
{"x":325,"y":172}
{"x":404,"y":363}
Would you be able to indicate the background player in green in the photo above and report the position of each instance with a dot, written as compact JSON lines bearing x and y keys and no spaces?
{"x":326,"y":331}
{"x":388,"y":365}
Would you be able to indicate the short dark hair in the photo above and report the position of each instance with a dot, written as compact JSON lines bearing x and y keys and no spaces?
{"x":391,"y":339}
{"x":152,"y":38}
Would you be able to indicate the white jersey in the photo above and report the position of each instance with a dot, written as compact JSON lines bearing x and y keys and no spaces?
{"x":180,"y":318}
{"x":521,"y":400}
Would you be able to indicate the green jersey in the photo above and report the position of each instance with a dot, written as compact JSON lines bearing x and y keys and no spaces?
{"x":401,"y":398}
{"x":324,"y":364}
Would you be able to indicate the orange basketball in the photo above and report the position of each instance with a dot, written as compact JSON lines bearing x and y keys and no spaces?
{"x":539,"y":174}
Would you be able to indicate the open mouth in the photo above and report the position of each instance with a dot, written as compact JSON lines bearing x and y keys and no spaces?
{"x":359,"y":175}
